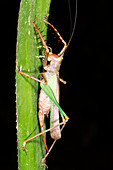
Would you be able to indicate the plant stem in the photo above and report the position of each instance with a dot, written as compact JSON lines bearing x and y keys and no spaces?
{"x":26,"y":88}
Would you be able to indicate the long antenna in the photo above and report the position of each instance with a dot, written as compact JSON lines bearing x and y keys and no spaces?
{"x":73,"y":30}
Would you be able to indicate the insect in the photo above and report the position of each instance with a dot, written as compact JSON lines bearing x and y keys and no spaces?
{"x":50,"y":91}
{"x":51,"y":77}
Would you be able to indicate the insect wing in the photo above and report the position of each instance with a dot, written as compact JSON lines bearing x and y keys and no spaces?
{"x":47,"y":89}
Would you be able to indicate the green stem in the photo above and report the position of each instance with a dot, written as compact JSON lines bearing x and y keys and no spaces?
{"x":26,"y":88}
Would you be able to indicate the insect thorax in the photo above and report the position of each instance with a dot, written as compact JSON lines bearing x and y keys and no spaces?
{"x":55,"y":62}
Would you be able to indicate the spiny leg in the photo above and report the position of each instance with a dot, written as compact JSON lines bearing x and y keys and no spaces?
{"x":54,"y":29}
{"x":44,"y":44}
{"x":47,"y":50}
{"x":62,"y":123}
{"x":65,"y":44}
{"x":43,"y":160}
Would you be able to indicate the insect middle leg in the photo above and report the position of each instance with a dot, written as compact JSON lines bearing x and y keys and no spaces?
{"x":44,"y":44}
{"x":27,"y":75}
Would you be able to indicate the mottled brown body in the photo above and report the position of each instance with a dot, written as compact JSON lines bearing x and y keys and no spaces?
{"x":44,"y":109}
{"x":51,"y":76}
{"x":44,"y":103}
{"x":52,"y":72}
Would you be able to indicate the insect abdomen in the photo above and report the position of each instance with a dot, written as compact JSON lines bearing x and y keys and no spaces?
{"x":44,"y":103}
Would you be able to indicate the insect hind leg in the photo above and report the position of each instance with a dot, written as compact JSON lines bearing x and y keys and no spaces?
{"x":43,"y":160}
{"x":41,"y":120}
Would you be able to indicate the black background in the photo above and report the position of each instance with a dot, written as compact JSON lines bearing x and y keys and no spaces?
{"x":87,"y":140}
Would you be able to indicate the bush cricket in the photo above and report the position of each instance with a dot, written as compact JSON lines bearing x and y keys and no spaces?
{"x":49,"y":94}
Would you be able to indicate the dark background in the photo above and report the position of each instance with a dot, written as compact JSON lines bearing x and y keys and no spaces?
{"x":87,"y":140}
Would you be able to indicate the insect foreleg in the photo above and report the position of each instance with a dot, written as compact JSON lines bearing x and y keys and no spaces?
{"x":65,"y":44}
{"x":44,"y":44}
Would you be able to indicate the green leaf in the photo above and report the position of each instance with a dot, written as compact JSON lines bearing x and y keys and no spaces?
{"x":26,"y":88}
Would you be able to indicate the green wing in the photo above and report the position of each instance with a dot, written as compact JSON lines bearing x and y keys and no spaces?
{"x":47,"y":89}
